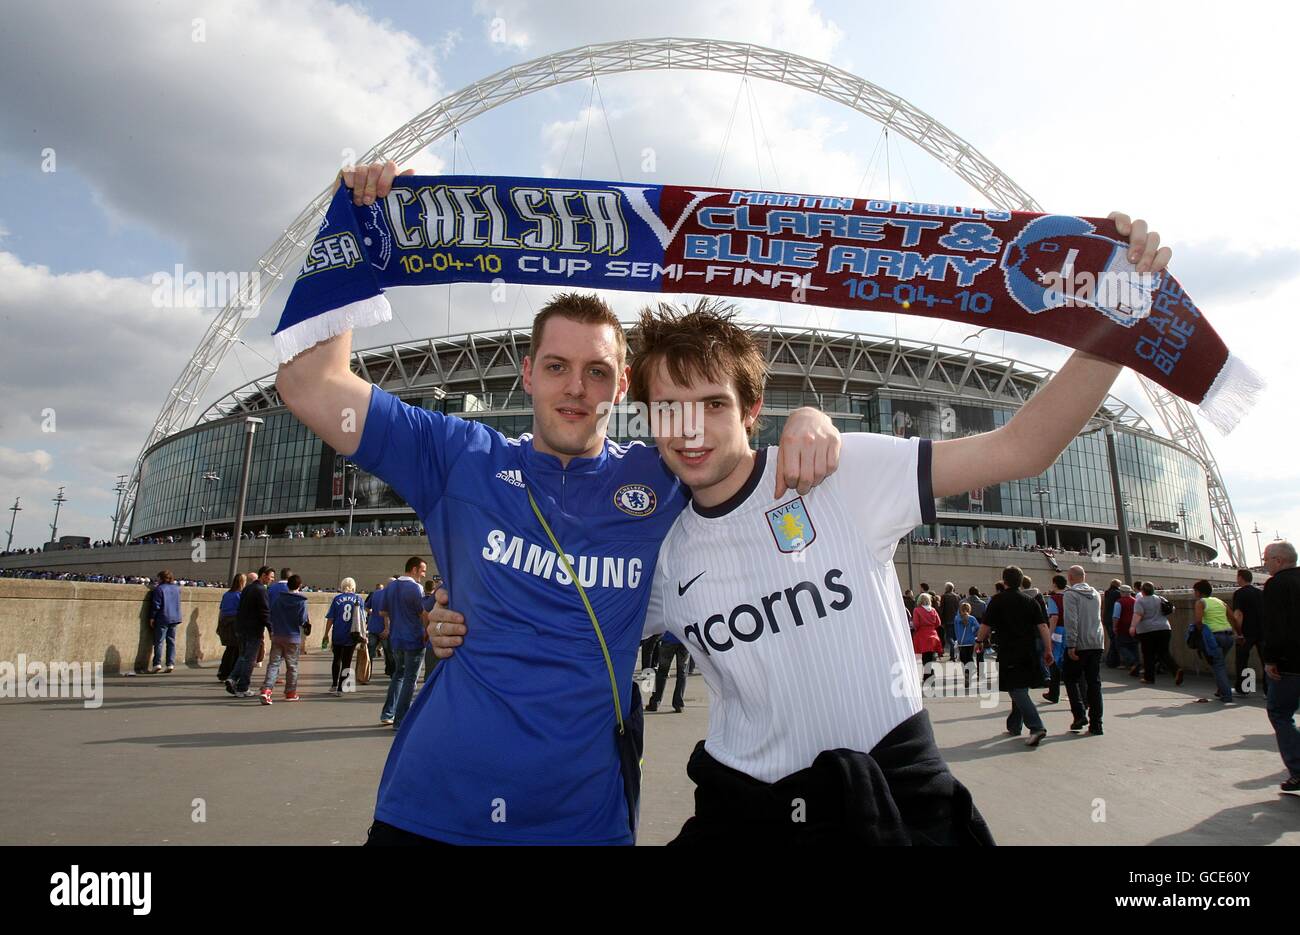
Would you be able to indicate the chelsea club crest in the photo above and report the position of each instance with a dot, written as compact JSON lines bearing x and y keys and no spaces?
{"x":791,"y":526}
{"x":635,"y":499}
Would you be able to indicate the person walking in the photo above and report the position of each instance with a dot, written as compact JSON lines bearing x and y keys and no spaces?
{"x":165,"y":617}
{"x":1084,"y":644}
{"x":254,"y":617}
{"x":374,"y":621}
{"x":1056,"y":626}
{"x":1017,"y":622}
{"x":1150,"y":626}
{"x":926,"y":627}
{"x":1281,"y":652}
{"x":1248,"y":621}
{"x":226,"y":629}
{"x":1113,"y":591}
{"x":289,"y":624}
{"x":341,"y":618}
{"x":1217,"y":636}
{"x":1121,"y":626}
{"x":670,"y":648}
{"x":948,"y":606}
{"x":965,"y":628}
{"x":404,"y":604}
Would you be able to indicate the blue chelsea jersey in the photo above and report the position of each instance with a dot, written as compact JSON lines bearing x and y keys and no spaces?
{"x":512,"y":739}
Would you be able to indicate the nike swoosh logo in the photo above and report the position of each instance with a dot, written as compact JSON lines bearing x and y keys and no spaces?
{"x":681,"y":588}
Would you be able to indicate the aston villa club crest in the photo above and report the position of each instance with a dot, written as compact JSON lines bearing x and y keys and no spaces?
{"x":791,"y":526}
{"x":635,"y":499}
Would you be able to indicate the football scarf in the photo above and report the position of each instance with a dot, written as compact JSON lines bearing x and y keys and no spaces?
{"x":1057,"y":277}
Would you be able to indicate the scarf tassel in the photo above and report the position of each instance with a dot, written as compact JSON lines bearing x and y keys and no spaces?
{"x":1231,"y":395}
{"x":363,"y":313}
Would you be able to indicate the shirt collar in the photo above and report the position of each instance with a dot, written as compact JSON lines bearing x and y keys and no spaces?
{"x":540,"y":462}
{"x":741,"y":495}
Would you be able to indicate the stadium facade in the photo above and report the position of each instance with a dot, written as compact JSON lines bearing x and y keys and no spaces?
{"x":865,"y":382}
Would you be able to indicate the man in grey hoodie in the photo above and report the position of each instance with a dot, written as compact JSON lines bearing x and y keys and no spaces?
{"x":1084,"y":642}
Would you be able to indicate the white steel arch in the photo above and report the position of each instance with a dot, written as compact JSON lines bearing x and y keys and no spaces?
{"x":635,"y":55}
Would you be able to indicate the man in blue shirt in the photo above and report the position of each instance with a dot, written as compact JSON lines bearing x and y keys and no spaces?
{"x":404,"y":603}
{"x":511,"y":744}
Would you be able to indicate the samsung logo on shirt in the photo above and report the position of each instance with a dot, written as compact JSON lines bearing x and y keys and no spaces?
{"x":593,"y":570}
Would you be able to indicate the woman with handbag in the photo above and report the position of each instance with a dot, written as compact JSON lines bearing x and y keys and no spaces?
{"x":344,"y":617}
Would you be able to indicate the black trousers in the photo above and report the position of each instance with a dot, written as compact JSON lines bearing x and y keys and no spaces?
{"x":1243,"y":661}
{"x":650,"y":651}
{"x":667,"y":653}
{"x":1083,"y":683}
{"x":1155,"y":651}
{"x":342,"y":661}
{"x":228,"y":660}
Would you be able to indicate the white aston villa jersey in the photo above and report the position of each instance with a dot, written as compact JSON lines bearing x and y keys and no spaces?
{"x":792,"y":609}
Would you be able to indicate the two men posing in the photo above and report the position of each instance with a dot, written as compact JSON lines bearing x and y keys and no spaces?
{"x":568,"y":548}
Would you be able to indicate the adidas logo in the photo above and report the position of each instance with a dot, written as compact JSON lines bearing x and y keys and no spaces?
{"x":511,"y":477}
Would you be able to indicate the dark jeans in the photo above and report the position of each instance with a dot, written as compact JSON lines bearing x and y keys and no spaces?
{"x":1155,"y":651}
{"x":248,"y":648}
{"x":1283,"y":699}
{"x":1243,"y":662}
{"x":667,"y":653}
{"x":1085,"y":676}
{"x":402,"y":685}
{"x":1022,"y":711}
{"x":163,"y":632}
{"x":1127,"y":648}
{"x":1112,"y":648}
{"x":650,"y":651}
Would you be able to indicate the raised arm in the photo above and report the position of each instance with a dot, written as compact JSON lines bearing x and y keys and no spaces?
{"x":320,"y":389}
{"x":1035,"y":437}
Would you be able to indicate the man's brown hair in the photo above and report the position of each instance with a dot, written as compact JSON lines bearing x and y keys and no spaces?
{"x":586,"y":308}
{"x":702,"y":341}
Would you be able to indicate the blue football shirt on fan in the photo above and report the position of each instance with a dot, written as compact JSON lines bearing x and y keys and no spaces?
{"x":404,"y":600}
{"x":343,"y":610}
{"x":512,"y":740}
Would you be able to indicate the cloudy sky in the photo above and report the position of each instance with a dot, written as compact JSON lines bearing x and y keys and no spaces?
{"x":135,"y":136}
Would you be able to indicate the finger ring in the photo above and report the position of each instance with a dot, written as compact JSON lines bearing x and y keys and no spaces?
{"x":438,"y":628}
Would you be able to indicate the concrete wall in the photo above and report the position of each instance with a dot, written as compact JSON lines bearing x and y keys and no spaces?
{"x":324,"y":562}
{"x":79,"y":622}
{"x":321,"y":562}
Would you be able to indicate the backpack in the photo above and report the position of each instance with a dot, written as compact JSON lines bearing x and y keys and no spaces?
{"x":1166,"y":606}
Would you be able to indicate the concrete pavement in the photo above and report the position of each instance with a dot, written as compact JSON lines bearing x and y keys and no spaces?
{"x":166,"y":750}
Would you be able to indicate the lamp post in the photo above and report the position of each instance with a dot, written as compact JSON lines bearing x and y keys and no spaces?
{"x":250,"y":429}
{"x":1041,"y":493}
{"x":209,"y":477}
{"x":352,"y":496}
{"x":1182,"y":521}
{"x":1120,"y":503}
{"x":1258,"y":548}
{"x":15,"y":510}
{"x":266,"y":543}
{"x":120,"y":489}
{"x":54,"y":526}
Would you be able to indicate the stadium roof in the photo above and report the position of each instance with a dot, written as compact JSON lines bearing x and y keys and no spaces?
{"x":487,"y":364}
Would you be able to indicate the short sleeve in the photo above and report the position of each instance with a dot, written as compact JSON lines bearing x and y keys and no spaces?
{"x":888,"y":487}
{"x":655,"y":621}
{"x":1052,"y":609}
{"x":409,"y":448}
